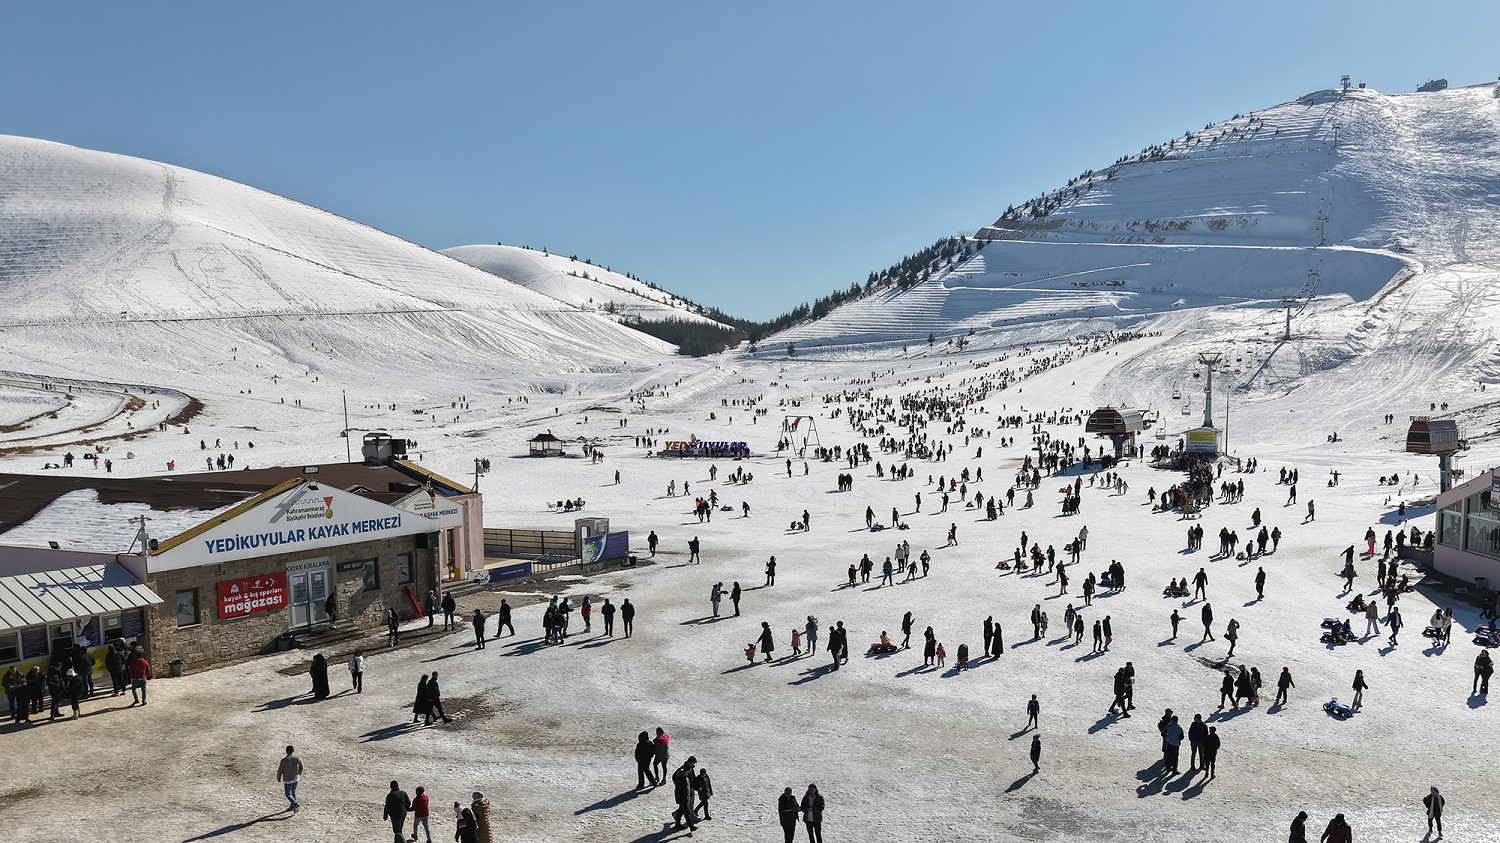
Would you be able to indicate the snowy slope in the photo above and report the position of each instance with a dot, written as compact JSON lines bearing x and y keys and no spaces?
{"x":580,"y":284}
{"x":1330,"y":199}
{"x":137,"y":258}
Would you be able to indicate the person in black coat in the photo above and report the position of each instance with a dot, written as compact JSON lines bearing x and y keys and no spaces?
{"x":812,"y":814}
{"x":997,"y":644}
{"x":682,"y":790}
{"x":734,"y":597}
{"x":644,"y":753}
{"x":397,"y":805}
{"x":703,"y":786}
{"x":767,"y":639}
{"x":1434,"y":801}
{"x":479,"y":621}
{"x":1197,"y":731}
{"x":1299,"y":829}
{"x":331,"y":609}
{"x":450,"y":606}
{"x":786,"y":811}
{"x":319,"y":674}
{"x":74,"y":690}
{"x":1210,"y":751}
{"x":420,"y":707}
{"x":468,"y":827}
{"x":435,"y":700}
{"x":627,"y":616}
{"x":114,"y":662}
{"x":502,"y":621}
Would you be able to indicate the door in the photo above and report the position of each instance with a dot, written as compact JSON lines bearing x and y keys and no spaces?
{"x":297,"y":583}
{"x":309,"y":584}
{"x":319,"y":586}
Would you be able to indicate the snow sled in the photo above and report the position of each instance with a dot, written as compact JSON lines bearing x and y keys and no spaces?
{"x":879,"y":649}
{"x":1002,"y":565}
{"x":1487,"y":637}
{"x":1107,"y":581}
{"x":1357,"y":604}
{"x":1338,"y":709}
{"x":1331,"y":623}
{"x":1335,"y":636}
{"x":902,"y":526}
{"x":875,"y":528}
{"x":1174,"y":592}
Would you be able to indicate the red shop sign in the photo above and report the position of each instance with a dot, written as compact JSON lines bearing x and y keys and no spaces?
{"x":252,"y":594}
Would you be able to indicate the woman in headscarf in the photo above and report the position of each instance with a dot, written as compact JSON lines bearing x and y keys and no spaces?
{"x":319,"y":673}
{"x":421,"y":707}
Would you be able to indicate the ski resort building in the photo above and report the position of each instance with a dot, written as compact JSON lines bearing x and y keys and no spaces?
{"x":1468,"y":530}
{"x":246,"y":562}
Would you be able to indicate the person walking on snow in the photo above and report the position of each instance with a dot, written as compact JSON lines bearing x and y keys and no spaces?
{"x":1434,"y":803}
{"x":1359,"y":687}
{"x":289,"y":773}
{"x":1283,"y":683}
{"x":1208,"y":622}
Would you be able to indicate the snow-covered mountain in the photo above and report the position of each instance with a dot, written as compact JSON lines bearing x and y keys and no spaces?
{"x":116,"y":268}
{"x":1376,"y":213}
{"x":580,"y":284}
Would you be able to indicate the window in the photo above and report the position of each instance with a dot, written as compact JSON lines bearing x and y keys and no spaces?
{"x":1450,"y":526}
{"x":187,"y":608}
{"x":61,"y":637}
{"x":372,"y":575}
{"x":403,"y":568}
{"x":10,"y":647}
{"x":114,"y":627}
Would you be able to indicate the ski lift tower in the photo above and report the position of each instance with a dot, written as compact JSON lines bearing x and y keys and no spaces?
{"x":801,"y":432}
{"x":1207,"y":440}
{"x":1440,"y":438}
{"x":1290,"y":305}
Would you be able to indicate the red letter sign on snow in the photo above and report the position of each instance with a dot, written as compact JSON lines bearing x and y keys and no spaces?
{"x":253,"y":594}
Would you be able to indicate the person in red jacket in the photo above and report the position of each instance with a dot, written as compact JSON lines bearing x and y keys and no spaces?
{"x":140,"y":671}
{"x":421,"y":811}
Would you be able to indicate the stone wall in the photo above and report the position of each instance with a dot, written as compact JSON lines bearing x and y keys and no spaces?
{"x":214,"y":642}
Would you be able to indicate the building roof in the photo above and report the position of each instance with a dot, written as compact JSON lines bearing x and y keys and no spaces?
{"x":195,"y":495}
{"x":545,"y":437}
{"x":62,"y":595}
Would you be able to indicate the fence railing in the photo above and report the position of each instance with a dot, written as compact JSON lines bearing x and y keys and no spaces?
{"x":548,"y":546}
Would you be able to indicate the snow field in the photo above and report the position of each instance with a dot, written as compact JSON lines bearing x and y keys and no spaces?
{"x":898,"y":751}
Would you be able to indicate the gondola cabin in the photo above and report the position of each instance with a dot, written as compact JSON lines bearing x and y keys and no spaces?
{"x":1432,"y":436}
{"x":1119,"y":425}
{"x":1436,"y":437}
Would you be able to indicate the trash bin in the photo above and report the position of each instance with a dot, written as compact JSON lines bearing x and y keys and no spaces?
{"x":175,"y":666}
{"x":284,"y":643}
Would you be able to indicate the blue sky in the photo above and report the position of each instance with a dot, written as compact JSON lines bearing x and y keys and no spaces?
{"x":749,"y":155}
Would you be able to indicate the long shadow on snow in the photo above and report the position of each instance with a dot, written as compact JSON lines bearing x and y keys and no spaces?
{"x":611,"y":802}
